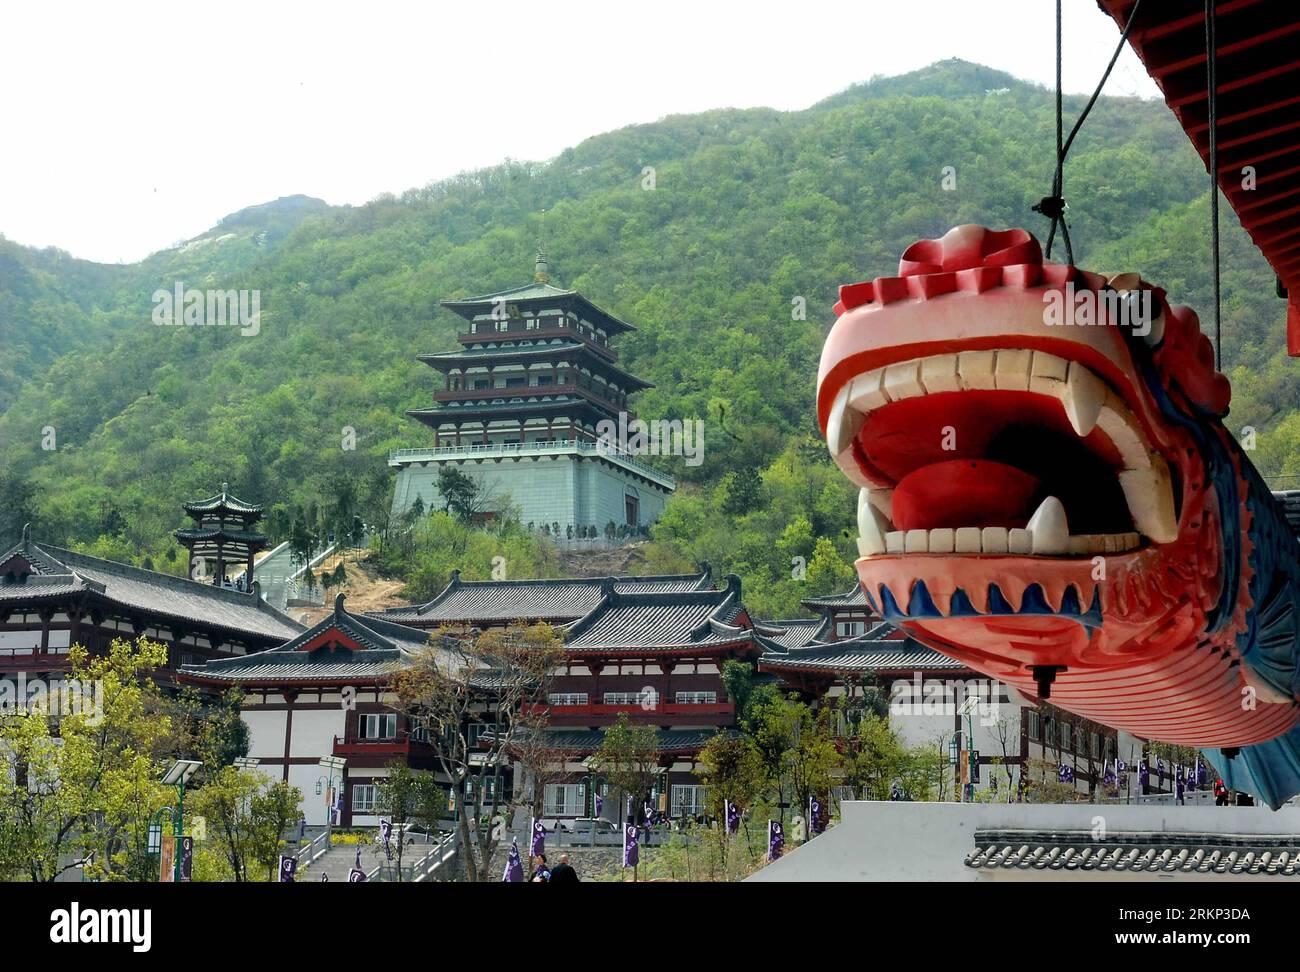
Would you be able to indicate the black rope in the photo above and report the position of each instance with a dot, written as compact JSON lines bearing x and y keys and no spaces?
{"x":1053,"y":206}
{"x":1212,"y":117}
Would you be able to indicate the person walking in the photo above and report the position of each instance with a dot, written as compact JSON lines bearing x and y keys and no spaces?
{"x":541,"y":873}
{"x":563,"y":873}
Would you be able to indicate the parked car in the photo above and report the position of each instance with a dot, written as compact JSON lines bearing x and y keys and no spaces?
{"x":584,"y":825}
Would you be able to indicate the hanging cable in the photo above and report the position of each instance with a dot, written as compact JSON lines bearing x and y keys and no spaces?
{"x":1053,"y":206}
{"x":1212,"y":118}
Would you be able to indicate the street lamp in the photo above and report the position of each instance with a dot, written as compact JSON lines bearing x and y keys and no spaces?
{"x":332,"y":765}
{"x":178,"y":774}
{"x":966,"y":709}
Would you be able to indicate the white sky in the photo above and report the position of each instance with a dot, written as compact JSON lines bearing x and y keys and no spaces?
{"x":128,"y":127}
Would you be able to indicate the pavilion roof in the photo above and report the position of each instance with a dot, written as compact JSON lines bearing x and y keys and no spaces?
{"x":1257,"y":70}
{"x":854,"y":598}
{"x":664,"y":621}
{"x":341,"y":647}
{"x":222,"y":501}
{"x":538,"y":294}
{"x":879,"y":649}
{"x":58,"y":573}
{"x":557,"y":600}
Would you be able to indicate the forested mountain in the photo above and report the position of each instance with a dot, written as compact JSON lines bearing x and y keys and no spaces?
{"x":749,"y":210}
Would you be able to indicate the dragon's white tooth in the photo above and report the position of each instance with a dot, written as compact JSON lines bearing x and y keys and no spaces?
{"x":849,"y":466}
{"x":939,"y":374}
{"x":867,"y":393}
{"x":943,"y":540}
{"x":993,"y":540}
{"x":903,"y":380}
{"x":1113,"y":542}
{"x":843,"y":424}
{"x":1150,"y":496}
{"x":976,"y":369}
{"x":872,"y":526}
{"x":883,"y":500}
{"x":967,"y":540}
{"x":1083,"y":396}
{"x":1011,"y":371}
{"x":1020,"y":541}
{"x":1047,"y":374}
{"x":1119,"y":425}
{"x":917,"y":541}
{"x":1049,"y":528}
{"x":1132,"y":541}
{"x":1087,"y":543}
{"x":895,"y":541}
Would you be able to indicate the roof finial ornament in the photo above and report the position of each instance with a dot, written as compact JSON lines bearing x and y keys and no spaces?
{"x":541,"y":269}
{"x":338,"y":603}
{"x":27,"y":533}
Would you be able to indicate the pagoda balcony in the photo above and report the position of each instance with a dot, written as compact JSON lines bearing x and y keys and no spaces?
{"x":524,"y":392}
{"x":494,"y":337}
{"x":507,"y":450}
{"x":720,"y":713}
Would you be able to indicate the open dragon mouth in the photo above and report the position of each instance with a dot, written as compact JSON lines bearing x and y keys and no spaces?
{"x":998,"y":452}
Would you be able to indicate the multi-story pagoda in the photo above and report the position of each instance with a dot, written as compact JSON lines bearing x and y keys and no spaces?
{"x":524,"y":399}
{"x":224,"y":535}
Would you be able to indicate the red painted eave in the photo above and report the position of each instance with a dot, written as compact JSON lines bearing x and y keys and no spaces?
{"x":1258,"y":107}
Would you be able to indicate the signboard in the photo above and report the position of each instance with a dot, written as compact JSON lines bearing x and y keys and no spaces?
{"x":187,"y":858}
{"x":288,"y":868}
{"x":167,"y":859}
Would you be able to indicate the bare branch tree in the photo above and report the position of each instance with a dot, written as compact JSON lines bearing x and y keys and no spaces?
{"x":478,"y":693}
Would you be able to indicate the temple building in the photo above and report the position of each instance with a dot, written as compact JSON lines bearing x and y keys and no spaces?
{"x":51,"y":598}
{"x":650,"y":648}
{"x":848,"y":648}
{"x":555,"y":601}
{"x":524,"y":396}
{"x":224,"y":537}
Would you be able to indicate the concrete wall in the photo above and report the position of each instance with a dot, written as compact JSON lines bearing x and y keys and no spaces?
{"x":543,"y":489}
{"x":930,"y":841}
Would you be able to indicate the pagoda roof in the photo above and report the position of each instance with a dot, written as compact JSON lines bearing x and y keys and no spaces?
{"x":558,"y":600}
{"x":217,"y":533}
{"x":879,"y":649}
{"x":222,"y":501}
{"x":57,"y":573}
{"x":468,"y":411}
{"x":342,"y":647}
{"x":535,"y":294}
{"x":544,"y":352}
{"x":681,"y":622}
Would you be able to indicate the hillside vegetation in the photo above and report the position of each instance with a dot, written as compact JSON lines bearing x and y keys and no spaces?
{"x":750,"y":210}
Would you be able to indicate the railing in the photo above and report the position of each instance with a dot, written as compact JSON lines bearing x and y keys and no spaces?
{"x":361,"y":746}
{"x":489,"y":449}
{"x":632,"y":708}
{"x":442,"y":851}
{"x":496,"y":337}
{"x":526,"y":391}
{"x":317,"y":848}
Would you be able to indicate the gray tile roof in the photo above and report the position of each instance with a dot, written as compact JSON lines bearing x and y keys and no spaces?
{"x":855,"y":598}
{"x":538,"y":293}
{"x":61,"y":572}
{"x":222,"y":500}
{"x":664,"y":621}
{"x":795,"y":632}
{"x":386,"y":648}
{"x":1260,"y":855}
{"x":878,"y":649}
{"x":558,"y":600}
